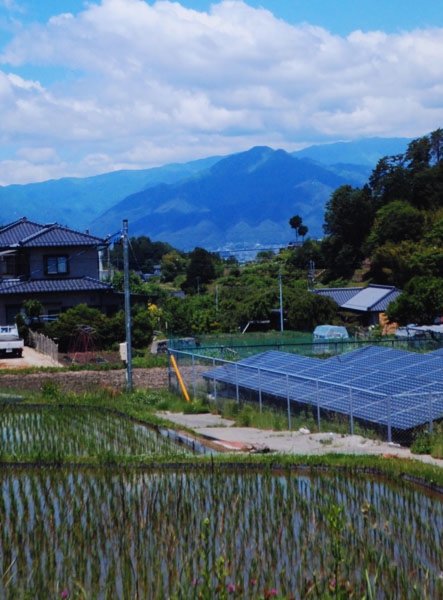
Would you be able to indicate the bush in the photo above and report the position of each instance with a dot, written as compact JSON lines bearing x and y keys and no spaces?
{"x":422,"y":443}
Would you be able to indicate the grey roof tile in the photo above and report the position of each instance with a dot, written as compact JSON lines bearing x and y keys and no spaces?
{"x":371,"y":298}
{"x":12,"y":234}
{"x":38,"y":286}
{"x":29,"y":234}
{"x":340,"y":295}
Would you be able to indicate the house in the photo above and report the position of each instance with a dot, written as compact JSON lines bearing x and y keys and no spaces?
{"x":368,"y":303}
{"x":55,"y":265}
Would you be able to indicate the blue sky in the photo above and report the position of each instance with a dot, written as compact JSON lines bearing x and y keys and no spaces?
{"x":337,"y":16}
{"x":90,"y":87}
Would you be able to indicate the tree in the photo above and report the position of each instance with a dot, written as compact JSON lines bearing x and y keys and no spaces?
{"x":172,"y":265}
{"x":389,"y":181}
{"x":200,"y":270}
{"x":302,"y":231}
{"x":143,"y":253}
{"x":436,"y":139}
{"x":391,"y":264}
{"x":418,"y":154}
{"x":67,"y":324}
{"x":302,"y":256}
{"x":396,"y":222}
{"x":296,"y":224}
{"x":348,"y":218}
{"x":307,"y":310}
{"x":420,"y":302}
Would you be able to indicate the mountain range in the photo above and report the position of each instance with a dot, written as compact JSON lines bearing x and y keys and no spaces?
{"x":243,"y":200}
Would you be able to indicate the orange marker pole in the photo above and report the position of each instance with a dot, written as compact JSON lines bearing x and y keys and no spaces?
{"x":179,"y":377}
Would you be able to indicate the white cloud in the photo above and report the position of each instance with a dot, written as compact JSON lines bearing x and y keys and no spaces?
{"x":138,"y":84}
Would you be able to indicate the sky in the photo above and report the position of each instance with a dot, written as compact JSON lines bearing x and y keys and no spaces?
{"x":88,"y":87}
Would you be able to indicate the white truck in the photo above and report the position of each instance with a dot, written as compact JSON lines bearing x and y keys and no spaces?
{"x":10,"y":342}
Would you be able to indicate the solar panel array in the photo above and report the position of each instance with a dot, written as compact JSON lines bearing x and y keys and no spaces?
{"x":396,"y":388}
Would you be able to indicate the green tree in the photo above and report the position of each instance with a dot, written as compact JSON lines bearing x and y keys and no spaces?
{"x":348,"y":218}
{"x":142,"y":326}
{"x":66,"y":327}
{"x":396,"y":222}
{"x":143,"y":254}
{"x":172,"y":265}
{"x":389,"y":181}
{"x":420,"y":302}
{"x":391,"y":264}
{"x":302,"y":231}
{"x":200,"y":271}
{"x":436,"y":139}
{"x":307,"y":310}
{"x":294,"y":223}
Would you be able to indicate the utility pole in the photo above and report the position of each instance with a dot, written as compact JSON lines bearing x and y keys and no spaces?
{"x":127,"y":307}
{"x":281,"y":299}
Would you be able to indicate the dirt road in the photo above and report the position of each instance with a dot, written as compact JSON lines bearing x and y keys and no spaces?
{"x":30,"y":358}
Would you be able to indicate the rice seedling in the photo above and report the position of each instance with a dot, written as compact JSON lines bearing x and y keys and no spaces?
{"x":214,"y":533}
{"x":57,"y":434}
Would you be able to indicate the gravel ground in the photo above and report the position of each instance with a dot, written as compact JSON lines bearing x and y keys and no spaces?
{"x":249,"y":439}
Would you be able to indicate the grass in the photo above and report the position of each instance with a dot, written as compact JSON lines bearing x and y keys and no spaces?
{"x":144,"y":405}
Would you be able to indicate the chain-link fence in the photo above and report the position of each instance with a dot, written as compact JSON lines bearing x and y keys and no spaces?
{"x":236,"y":347}
{"x":308,"y":401}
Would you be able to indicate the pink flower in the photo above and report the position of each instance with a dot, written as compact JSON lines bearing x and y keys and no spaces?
{"x":252,"y":582}
{"x":195,"y":582}
{"x":273,"y":592}
{"x":231,"y":588}
{"x":64,"y":594}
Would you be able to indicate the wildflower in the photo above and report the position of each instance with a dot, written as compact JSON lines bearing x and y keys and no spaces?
{"x":252,"y":582}
{"x":195,"y":582}
{"x":332,"y":585}
{"x":64,"y":594}
{"x":273,"y":592}
{"x":231,"y":588}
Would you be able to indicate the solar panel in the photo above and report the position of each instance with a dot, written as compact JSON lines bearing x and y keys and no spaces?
{"x":378,"y":384}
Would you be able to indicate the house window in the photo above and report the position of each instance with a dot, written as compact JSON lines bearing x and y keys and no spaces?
{"x":56,"y":265}
{"x":7,"y":266}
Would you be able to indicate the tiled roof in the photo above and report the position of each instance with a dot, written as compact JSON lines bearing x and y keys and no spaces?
{"x":340,"y":295}
{"x":39,"y":286}
{"x":29,"y":234}
{"x":372,"y":298}
{"x":382,"y":305}
{"x":12,"y":234}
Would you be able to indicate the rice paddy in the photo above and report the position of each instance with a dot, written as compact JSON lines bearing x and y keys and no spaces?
{"x":65,"y":433}
{"x":205,"y":530}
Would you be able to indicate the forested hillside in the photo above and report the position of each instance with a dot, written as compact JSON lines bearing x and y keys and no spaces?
{"x":390,"y":231}
{"x":395,"y":221}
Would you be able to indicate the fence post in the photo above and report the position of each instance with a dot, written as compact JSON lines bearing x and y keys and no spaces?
{"x":351,"y":411}
{"x":214,"y":382}
{"x":194,"y":380}
{"x":259,"y":390}
{"x":289,"y":405}
{"x":430,"y":413}
{"x":388,"y":402}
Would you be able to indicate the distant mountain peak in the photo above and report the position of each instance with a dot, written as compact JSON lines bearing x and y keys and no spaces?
{"x":243,"y":199}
